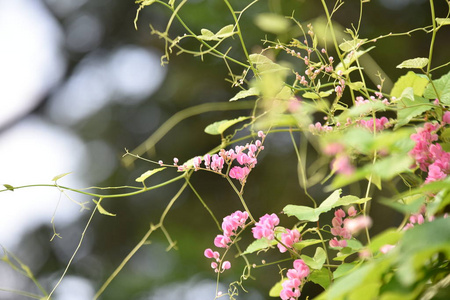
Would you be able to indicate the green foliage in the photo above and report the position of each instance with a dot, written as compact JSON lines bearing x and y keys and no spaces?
{"x":219,"y":127}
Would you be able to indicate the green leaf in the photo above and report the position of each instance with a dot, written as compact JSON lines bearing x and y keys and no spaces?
{"x":220,"y":126}
{"x":208,"y":35}
{"x":9,"y":187}
{"x":317,"y":261}
{"x":60,"y":176}
{"x":418,"y":247}
{"x":351,"y":58}
{"x":276,"y":289}
{"x":148,"y":174}
{"x":344,"y":269}
{"x":253,"y":91}
{"x":348,"y":46}
{"x":411,"y":79}
{"x":305,"y":213}
{"x":102,"y":210}
{"x":442,"y":86}
{"x":415,"y":63}
{"x":272,"y":23}
{"x":321,"y":277}
{"x":265,"y":65}
{"x":306,"y":243}
{"x":347,"y":200}
{"x":356,"y":86}
{"x":258,"y":245}
{"x":313,"y":95}
{"x":390,"y":236}
{"x":443,"y":21}
{"x":410,"y":106}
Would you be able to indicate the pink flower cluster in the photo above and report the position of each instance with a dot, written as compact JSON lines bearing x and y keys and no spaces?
{"x":289,"y":238}
{"x":264,"y":228}
{"x":291,"y":287}
{"x":431,"y":157}
{"x":339,"y":230}
{"x":317,"y":128}
{"x":230,"y":225}
{"x":247,"y":159}
{"x":379,"y":125}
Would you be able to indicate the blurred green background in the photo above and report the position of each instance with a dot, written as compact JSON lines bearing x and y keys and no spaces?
{"x":106,"y":89}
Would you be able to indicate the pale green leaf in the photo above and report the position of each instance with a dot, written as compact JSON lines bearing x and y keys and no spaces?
{"x":314,"y":95}
{"x":102,"y":210}
{"x":356,"y":86}
{"x":258,"y":245}
{"x":208,"y":35}
{"x":220,"y":126}
{"x":253,"y":91}
{"x":272,"y":23}
{"x":147,"y":174}
{"x":306,"y":243}
{"x":60,"y":176}
{"x":442,"y":86}
{"x":317,"y":261}
{"x":411,"y":79}
{"x":276,"y":289}
{"x":443,"y":21}
{"x":414,"y":63}
{"x":387,"y":237}
{"x":347,"y":200}
{"x":265,"y":65}
{"x":305,"y":213}
{"x":348,"y":46}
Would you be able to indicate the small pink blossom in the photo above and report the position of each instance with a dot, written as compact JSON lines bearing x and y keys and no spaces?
{"x":226,"y":265}
{"x":160,"y":162}
{"x":357,"y":224}
{"x":221,"y":241}
{"x":264,"y":228}
{"x":341,"y":164}
{"x":239,"y":172}
{"x":386,"y":248}
{"x":175,"y":161}
{"x":446,"y":118}
{"x":352,"y":211}
{"x":291,"y":287}
{"x":288,"y":239}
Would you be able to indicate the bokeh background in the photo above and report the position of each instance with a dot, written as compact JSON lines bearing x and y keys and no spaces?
{"x":79,"y":85}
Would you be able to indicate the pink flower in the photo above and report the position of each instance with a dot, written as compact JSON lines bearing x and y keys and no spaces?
{"x":288,"y":239}
{"x":239,"y":172}
{"x":352,"y":211}
{"x":221,"y":241}
{"x":232,"y":222}
{"x":446,"y":118}
{"x":355,"y":225}
{"x":197,"y":162}
{"x":291,"y":287}
{"x":211,"y":254}
{"x":226,"y":265}
{"x":341,"y":164}
{"x":264,"y":228}
{"x":386,"y":248}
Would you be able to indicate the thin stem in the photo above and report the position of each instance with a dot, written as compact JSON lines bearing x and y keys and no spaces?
{"x":204,"y":204}
{"x":433,"y":37}
{"x":141,"y":242}
{"x":302,"y":170}
{"x":240,"y":198}
{"x":239,"y":33}
{"x":76,"y":250}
